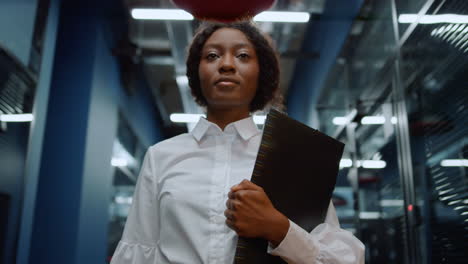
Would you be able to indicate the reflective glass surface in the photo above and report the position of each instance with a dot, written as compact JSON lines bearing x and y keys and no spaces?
{"x":370,"y":50}
{"x":380,"y":186}
{"x":405,"y":7}
{"x":429,"y":72}
{"x":434,"y":63}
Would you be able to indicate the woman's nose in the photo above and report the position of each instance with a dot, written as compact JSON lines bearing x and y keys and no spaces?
{"x":227,"y":64}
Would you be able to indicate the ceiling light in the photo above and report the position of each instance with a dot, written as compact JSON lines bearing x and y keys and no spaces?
{"x":376,"y":120}
{"x":340,"y":120}
{"x":366,"y":120}
{"x":119,"y":162}
{"x":161,"y":14}
{"x":121,"y":157}
{"x":185,"y":118}
{"x":392,"y":203}
{"x":370,"y":215}
{"x":123,"y":200}
{"x":182,"y":80}
{"x":454,"y":163}
{"x":275,"y":16}
{"x":179,"y":14}
{"x":433,"y":19}
{"x":366,"y":164}
{"x":193,"y":118}
{"x":373,"y":120}
{"x":373,"y":164}
{"x":17,"y":118}
{"x":346,"y":163}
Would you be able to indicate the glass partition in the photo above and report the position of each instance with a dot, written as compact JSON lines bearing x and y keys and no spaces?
{"x":433,"y":72}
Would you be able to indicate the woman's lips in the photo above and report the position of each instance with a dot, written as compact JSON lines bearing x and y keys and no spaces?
{"x":226,"y":83}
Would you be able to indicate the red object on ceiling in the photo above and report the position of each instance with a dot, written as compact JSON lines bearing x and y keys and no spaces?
{"x":224,"y":10}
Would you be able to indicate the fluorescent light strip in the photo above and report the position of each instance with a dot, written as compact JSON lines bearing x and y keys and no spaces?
{"x":182,"y":80}
{"x":185,"y":118}
{"x":376,"y":120}
{"x":287,"y":17}
{"x":119,"y":162}
{"x":373,"y":164}
{"x":193,"y":118}
{"x":160,"y":14}
{"x":366,"y":120}
{"x":340,"y":120}
{"x":433,"y":19}
{"x":17,"y":118}
{"x":392,"y":203}
{"x":123,"y":200}
{"x":370,"y":215}
{"x":373,"y":120}
{"x":346,"y":163}
{"x":179,"y":14}
{"x":121,"y":157}
{"x":454,"y":163}
{"x":366,"y":164}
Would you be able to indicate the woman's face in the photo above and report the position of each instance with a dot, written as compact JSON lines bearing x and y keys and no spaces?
{"x":228,"y":70}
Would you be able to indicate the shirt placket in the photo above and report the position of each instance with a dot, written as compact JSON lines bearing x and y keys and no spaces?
{"x":220,"y":178}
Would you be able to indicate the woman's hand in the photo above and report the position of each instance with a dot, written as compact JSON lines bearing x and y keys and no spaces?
{"x":251,"y":214}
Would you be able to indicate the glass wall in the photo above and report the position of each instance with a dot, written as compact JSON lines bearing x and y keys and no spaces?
{"x":434,"y":60}
{"x":397,"y":96}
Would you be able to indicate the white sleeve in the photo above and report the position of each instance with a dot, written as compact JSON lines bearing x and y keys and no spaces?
{"x":141,"y":233}
{"x":327,"y":243}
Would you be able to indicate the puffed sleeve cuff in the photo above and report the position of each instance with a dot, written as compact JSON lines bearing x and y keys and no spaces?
{"x":293,"y":245}
{"x":325,"y":244}
{"x":134,"y":253}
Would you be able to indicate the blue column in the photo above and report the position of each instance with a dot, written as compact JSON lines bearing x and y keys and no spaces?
{"x":326,"y":37}
{"x":75,"y":176}
{"x":71,"y":213}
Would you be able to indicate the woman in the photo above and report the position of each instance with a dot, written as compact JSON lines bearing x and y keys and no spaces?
{"x":193,"y":195}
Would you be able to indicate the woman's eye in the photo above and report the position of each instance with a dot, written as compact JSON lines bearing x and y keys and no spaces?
{"x":243,"y":55}
{"x":211,"y":56}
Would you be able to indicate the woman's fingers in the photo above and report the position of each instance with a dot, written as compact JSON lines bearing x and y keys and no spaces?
{"x":229,"y":215}
{"x":246,"y":185}
{"x":230,"y":219}
{"x":231,"y":225}
{"x":230,"y":204}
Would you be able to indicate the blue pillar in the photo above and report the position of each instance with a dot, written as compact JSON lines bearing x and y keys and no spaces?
{"x":70,"y":173}
{"x":73,"y":191}
{"x":326,"y":37}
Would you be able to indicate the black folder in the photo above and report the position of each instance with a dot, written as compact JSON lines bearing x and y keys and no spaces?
{"x":297,"y":167}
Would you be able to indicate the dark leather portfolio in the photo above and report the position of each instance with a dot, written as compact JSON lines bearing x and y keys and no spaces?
{"x":297,"y":167}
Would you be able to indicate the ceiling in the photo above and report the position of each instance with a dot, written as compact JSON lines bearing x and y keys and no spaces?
{"x":160,"y":47}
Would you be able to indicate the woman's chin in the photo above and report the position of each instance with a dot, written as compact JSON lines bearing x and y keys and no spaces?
{"x":227,"y":104}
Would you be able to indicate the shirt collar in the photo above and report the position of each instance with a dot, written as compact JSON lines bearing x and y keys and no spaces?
{"x":246,"y":128}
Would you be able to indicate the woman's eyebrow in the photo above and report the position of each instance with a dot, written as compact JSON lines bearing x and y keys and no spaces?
{"x":235,"y":45}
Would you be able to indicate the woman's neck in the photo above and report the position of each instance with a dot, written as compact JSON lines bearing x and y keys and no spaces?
{"x":223,"y":117}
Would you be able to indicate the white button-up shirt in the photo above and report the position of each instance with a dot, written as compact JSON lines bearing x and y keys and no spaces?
{"x":177,"y":215}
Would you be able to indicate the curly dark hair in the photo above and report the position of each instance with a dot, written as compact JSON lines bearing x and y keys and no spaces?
{"x":268,"y":92}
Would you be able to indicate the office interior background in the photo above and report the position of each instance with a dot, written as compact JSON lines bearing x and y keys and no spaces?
{"x":87,"y":86}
